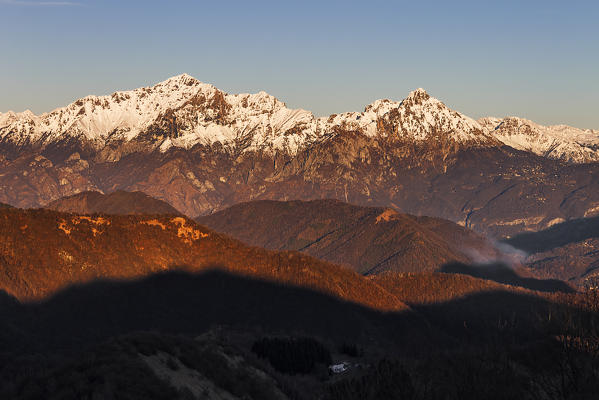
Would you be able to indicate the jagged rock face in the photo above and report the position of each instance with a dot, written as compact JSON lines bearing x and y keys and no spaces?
{"x":183,"y":112}
{"x":202,"y":150}
{"x":558,"y":142}
{"x":180,"y":112}
{"x":498,"y":191}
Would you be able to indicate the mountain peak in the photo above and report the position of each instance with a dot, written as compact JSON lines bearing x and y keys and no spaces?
{"x":181,"y":80}
{"x":181,"y":77}
{"x":418,"y":96}
{"x":418,"y":91}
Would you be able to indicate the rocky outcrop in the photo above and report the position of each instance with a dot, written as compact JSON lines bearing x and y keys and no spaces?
{"x":560,"y":142}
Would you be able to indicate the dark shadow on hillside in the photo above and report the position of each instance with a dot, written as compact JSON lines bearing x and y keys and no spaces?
{"x":185,"y":303}
{"x":502,"y":273}
{"x":190,"y":304}
{"x":43,"y":336}
{"x":558,"y":235}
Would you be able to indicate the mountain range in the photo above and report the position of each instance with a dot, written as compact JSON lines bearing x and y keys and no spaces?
{"x":152,"y":304}
{"x":182,"y":112}
{"x":202,"y":150}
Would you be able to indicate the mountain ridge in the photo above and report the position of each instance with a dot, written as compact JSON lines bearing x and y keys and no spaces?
{"x":182,"y":112}
{"x":370,"y":240}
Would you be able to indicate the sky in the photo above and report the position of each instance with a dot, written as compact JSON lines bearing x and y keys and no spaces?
{"x":533,"y":59}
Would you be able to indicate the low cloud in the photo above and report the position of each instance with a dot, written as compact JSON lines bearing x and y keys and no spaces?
{"x":507,"y":255}
{"x":511,"y":253}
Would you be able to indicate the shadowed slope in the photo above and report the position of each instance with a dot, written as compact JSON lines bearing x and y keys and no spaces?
{"x":503,"y":274}
{"x":184,"y":303}
{"x":436,"y":287}
{"x":369,"y":239}
{"x":558,"y":235}
{"x":189,"y":304}
{"x":119,"y":202}
{"x":567,"y":251}
{"x":508,"y":333}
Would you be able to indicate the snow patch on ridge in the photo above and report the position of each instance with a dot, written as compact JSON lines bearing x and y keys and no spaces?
{"x":418,"y":117}
{"x":558,"y":142}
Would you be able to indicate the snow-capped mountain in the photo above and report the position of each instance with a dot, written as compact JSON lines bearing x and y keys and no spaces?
{"x":558,"y":142}
{"x":418,"y":117}
{"x":183,"y":112}
{"x":19,"y":128}
{"x":180,"y":111}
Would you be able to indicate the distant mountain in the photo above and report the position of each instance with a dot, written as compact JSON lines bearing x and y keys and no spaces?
{"x":2,"y":205}
{"x":370,"y":240}
{"x":202,"y":150}
{"x":568,"y":251}
{"x":182,"y":112}
{"x":559,"y":142}
{"x":119,"y":202}
{"x":43,"y":251}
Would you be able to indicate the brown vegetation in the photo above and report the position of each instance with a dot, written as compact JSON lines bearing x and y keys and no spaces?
{"x":43,"y":251}
{"x":370,"y":240}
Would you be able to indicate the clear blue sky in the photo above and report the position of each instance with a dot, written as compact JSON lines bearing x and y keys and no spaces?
{"x":535,"y":59}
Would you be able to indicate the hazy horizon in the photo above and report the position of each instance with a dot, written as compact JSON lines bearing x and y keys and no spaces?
{"x":536,"y":61}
